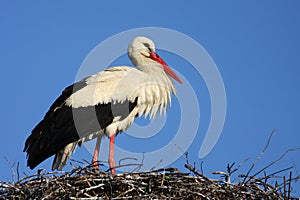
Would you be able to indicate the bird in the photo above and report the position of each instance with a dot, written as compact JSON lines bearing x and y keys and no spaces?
{"x":103,"y":104}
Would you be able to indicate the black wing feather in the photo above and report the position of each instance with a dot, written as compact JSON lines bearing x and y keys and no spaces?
{"x":63,"y":124}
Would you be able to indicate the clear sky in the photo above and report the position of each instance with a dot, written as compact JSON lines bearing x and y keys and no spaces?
{"x":255,"y":46}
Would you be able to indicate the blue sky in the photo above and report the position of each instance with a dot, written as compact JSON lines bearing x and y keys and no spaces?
{"x":255,"y":46}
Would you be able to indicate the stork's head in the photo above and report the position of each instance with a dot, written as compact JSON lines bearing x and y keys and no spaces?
{"x":141,"y":52}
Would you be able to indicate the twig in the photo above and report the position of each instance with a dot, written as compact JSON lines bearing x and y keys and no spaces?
{"x":272,"y":163}
{"x":142,"y":164}
{"x":13,"y":173}
{"x":259,"y":156}
{"x":201,"y":167}
{"x":18,"y":174}
{"x":127,"y":158}
{"x":274,"y":173}
{"x":289,"y":182}
{"x":265,"y":182}
{"x":156,"y":164}
{"x":284,"y":188}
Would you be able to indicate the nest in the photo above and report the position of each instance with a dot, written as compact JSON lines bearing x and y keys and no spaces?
{"x":166,"y":183}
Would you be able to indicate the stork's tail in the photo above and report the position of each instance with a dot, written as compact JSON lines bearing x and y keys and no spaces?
{"x":63,"y":155}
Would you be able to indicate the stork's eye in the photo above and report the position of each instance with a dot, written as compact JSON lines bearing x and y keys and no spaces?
{"x":148,"y":46}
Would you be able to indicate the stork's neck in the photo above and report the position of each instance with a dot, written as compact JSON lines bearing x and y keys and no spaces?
{"x":156,"y":74}
{"x":151,"y":68}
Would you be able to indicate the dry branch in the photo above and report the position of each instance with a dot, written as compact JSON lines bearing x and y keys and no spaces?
{"x":87,"y":183}
{"x":165,"y":183}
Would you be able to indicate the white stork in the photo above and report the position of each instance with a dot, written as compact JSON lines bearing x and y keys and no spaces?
{"x":105,"y":103}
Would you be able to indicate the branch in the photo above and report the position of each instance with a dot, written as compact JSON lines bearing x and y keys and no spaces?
{"x":259,"y":156}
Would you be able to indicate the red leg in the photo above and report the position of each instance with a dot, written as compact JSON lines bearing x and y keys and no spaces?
{"x":96,"y":153}
{"x":111,"y":158}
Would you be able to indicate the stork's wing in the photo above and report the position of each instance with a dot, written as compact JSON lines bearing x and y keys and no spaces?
{"x":82,"y":109}
{"x":113,"y":84}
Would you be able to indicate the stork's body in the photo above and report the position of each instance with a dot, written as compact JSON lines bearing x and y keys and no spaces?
{"x":105,"y":103}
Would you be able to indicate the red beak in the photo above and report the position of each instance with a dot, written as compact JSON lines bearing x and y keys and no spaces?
{"x":167,"y":69}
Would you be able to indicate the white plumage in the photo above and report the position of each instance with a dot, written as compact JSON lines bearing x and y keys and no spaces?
{"x":145,"y":90}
